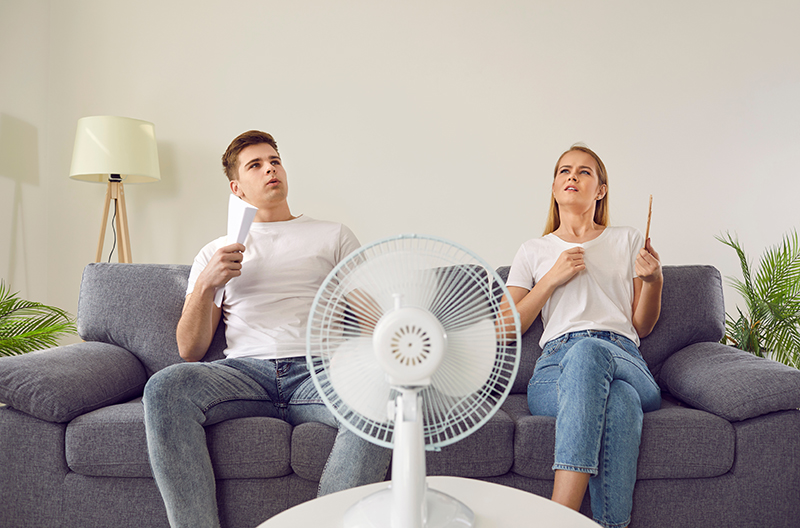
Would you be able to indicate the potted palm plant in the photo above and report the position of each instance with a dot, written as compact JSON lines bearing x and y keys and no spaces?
{"x":26,"y":325}
{"x":770,"y":325}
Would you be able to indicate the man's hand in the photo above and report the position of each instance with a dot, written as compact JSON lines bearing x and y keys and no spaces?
{"x":224,"y":265}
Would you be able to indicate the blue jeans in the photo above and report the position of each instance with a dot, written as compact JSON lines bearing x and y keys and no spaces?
{"x":180,"y":400}
{"x":597,"y":386}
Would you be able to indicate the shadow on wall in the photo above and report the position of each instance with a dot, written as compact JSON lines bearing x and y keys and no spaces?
{"x":19,"y":162}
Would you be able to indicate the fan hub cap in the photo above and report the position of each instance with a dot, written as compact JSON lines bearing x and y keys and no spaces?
{"x":409,"y":344}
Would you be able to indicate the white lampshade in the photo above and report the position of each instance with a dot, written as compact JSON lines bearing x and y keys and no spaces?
{"x":106,"y":145}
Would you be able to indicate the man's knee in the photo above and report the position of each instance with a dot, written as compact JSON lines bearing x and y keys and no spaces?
{"x":169,"y":383}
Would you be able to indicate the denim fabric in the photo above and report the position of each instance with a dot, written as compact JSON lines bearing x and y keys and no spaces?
{"x":597,"y":386}
{"x":180,"y":400}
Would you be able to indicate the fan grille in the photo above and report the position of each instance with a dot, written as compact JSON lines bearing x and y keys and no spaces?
{"x":459,"y":290}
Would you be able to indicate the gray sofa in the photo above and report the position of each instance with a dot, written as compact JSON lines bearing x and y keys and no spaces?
{"x":723,"y":450}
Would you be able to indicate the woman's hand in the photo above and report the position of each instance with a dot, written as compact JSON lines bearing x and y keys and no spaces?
{"x":530,"y":303}
{"x":647,"y":288}
{"x":568,"y":264}
{"x":648,"y":264}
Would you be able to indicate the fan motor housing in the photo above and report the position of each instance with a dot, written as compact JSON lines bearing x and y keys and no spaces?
{"x":409,"y":344}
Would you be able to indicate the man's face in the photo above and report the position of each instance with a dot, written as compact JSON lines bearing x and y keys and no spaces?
{"x":261,"y":178}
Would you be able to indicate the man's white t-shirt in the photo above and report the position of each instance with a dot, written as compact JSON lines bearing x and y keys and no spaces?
{"x":266,"y":308}
{"x":597,"y":298}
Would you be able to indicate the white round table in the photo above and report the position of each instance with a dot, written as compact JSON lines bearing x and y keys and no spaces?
{"x":495,"y":506}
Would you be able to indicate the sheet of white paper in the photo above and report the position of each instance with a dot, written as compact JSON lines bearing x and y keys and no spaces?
{"x":240,"y":217}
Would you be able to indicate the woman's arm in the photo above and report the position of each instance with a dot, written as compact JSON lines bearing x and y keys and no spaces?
{"x":647,"y":290}
{"x":529,"y":303}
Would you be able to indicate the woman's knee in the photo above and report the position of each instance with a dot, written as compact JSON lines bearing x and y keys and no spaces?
{"x":624,"y":401}
{"x":588,"y":354}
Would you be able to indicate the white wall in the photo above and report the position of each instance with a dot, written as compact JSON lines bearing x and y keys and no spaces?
{"x":438,"y":117}
{"x":23,"y":139}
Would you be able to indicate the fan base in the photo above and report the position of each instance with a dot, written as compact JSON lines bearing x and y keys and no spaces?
{"x":375,"y":511}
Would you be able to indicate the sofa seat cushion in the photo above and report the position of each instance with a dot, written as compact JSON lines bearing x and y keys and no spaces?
{"x":110,"y":442}
{"x":487,"y":452}
{"x":677,"y":442}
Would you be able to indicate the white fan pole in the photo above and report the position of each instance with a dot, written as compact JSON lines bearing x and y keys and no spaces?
{"x":408,"y":464}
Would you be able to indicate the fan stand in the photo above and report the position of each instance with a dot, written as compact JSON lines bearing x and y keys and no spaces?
{"x":408,"y":501}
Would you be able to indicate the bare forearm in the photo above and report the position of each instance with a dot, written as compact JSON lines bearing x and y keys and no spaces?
{"x":648,"y":308}
{"x":529,"y":304}
{"x":197,"y":324}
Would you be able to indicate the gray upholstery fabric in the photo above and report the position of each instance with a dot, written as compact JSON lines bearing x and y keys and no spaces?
{"x":729,"y":382}
{"x":137,"y":307}
{"x":487,"y":452}
{"x":110,"y":442}
{"x":59,"y":384}
{"x":695,"y":466}
{"x":32,"y":470}
{"x":677,"y":442}
{"x":692,"y":311}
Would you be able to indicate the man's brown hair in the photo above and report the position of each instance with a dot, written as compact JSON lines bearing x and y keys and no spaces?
{"x":230,"y":160}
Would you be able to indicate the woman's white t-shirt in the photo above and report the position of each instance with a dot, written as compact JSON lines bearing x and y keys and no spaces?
{"x":597,"y":298}
{"x":266,"y":308}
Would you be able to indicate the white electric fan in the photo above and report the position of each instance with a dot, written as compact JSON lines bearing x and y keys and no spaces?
{"x":408,"y":346}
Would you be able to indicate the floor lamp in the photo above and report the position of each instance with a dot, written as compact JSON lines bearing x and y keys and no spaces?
{"x":115,"y":150}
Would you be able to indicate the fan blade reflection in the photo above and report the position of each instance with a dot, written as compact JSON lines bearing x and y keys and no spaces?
{"x":468,"y":361}
{"x":359,"y":379}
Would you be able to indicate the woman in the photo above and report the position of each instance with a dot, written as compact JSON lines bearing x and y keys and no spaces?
{"x":598,"y":289}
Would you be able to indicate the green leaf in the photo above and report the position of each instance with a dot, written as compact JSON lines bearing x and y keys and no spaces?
{"x":26,"y":326}
{"x":771,"y":291}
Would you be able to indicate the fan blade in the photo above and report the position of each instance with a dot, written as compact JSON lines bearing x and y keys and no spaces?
{"x":469,"y":360}
{"x":359,"y":380}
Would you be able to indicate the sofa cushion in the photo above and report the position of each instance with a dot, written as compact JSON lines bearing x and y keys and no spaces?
{"x":59,"y":384}
{"x":730,"y":383}
{"x":111,"y":442}
{"x":677,"y":442}
{"x":137,"y":307}
{"x":692,"y":311}
{"x":487,"y":452}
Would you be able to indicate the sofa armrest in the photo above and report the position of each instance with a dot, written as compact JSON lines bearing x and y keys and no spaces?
{"x":729,"y":382}
{"x":58,"y":384}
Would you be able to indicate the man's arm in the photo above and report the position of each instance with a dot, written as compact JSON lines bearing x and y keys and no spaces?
{"x":200,"y":315}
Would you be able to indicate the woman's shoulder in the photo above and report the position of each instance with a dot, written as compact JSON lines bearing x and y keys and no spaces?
{"x":624,"y":234}
{"x":540,"y":242}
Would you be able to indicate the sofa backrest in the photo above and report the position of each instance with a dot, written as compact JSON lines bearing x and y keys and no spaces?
{"x":137,"y":307}
{"x":692,"y":311}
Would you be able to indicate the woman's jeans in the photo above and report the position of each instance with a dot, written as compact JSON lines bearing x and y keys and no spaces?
{"x":597,"y":386}
{"x":180,"y":400}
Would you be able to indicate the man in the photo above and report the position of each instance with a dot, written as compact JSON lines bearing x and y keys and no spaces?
{"x":270,"y":284}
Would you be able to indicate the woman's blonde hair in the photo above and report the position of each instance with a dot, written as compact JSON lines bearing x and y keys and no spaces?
{"x":601,"y":215}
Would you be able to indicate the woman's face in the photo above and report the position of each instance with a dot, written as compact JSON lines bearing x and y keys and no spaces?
{"x":576,"y":182}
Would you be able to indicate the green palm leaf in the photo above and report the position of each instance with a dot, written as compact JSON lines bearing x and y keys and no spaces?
{"x":772,"y":294}
{"x":26,"y":326}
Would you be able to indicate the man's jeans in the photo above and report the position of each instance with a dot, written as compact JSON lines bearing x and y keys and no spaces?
{"x":181,"y":399}
{"x":597,"y":386}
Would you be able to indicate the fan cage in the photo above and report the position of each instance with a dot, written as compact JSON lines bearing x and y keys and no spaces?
{"x":460,"y":290}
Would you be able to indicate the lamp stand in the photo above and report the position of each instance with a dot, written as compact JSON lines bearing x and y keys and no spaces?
{"x":116,"y":193}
